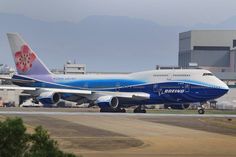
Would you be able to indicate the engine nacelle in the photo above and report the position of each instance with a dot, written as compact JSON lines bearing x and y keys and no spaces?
{"x":107,"y":102}
{"x":48,"y":98}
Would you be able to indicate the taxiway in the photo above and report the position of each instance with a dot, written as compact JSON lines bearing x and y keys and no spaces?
{"x":134,"y":135}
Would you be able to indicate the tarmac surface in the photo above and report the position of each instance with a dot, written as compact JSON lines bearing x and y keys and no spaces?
{"x":93,"y":134}
{"x":116,"y":114}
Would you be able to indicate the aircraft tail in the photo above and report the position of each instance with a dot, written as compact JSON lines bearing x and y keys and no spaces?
{"x":26,"y":61}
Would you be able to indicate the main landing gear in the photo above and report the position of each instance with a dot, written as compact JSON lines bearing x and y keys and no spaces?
{"x":201,"y":109}
{"x":117,"y":110}
{"x":140,"y":109}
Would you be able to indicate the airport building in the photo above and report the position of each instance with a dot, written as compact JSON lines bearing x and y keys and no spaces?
{"x":9,"y":96}
{"x":214,"y":50}
{"x":74,"y":68}
{"x":6,"y":70}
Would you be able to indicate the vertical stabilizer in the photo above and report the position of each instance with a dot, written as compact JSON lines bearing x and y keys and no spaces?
{"x":26,"y":61}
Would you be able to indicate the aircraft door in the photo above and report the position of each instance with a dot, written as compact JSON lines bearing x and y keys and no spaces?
{"x":187,"y":88}
{"x":157,"y":89}
{"x":169,"y":77}
{"x":117,"y":86}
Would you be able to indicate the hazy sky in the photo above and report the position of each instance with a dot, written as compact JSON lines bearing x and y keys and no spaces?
{"x":163,"y":40}
{"x":164,"y":12}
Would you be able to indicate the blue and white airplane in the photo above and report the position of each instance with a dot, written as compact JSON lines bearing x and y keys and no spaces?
{"x":112,"y":93}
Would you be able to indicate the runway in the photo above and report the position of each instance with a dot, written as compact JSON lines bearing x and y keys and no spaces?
{"x":115,"y":114}
{"x":94,"y":134}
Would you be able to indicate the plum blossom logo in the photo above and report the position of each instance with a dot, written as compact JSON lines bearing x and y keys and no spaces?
{"x":24,"y":58}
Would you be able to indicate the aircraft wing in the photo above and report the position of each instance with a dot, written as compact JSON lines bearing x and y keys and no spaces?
{"x":5,"y":78}
{"x":69,"y":91}
{"x":131,"y":95}
{"x":16,"y":80}
{"x":18,"y":88}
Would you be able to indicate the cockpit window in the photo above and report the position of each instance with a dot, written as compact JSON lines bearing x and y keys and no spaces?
{"x":207,"y":74}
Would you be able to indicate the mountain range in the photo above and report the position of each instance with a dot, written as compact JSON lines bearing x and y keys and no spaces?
{"x":103,"y":43}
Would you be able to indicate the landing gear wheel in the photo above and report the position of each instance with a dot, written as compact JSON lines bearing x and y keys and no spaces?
{"x":122,"y":110}
{"x":105,"y":110}
{"x":118,"y":110}
{"x":139,"y":109}
{"x":201,"y":111}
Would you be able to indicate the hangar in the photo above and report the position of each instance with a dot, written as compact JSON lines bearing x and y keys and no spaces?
{"x":214,"y":50}
{"x":209,"y":49}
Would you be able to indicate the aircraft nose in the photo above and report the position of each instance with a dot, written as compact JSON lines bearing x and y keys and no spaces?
{"x":224,"y":91}
{"x":223,"y":87}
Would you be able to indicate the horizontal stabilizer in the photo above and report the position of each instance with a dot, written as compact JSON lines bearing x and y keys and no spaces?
{"x":17,"y":88}
{"x":17,"y":80}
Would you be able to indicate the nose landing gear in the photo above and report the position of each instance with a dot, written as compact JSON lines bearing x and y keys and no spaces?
{"x":201,"y":109}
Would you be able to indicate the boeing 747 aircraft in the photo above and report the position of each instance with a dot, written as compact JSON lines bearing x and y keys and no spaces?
{"x":112,"y":93}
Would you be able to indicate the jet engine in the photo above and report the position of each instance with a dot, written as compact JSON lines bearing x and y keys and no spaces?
{"x":107,"y":102}
{"x":48,"y":98}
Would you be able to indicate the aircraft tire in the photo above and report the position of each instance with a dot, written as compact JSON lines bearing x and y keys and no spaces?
{"x":201,"y":111}
{"x":139,"y":111}
{"x":122,"y":110}
{"x":118,"y":110}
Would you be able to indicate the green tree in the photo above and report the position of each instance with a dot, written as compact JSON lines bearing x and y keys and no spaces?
{"x":13,"y":138}
{"x":15,"y":142}
{"x":43,"y":146}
